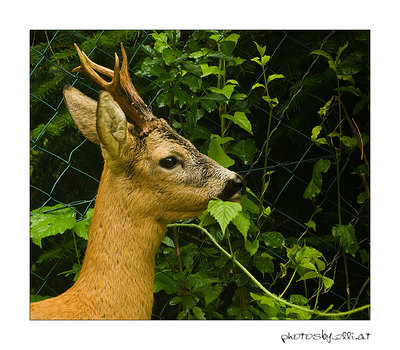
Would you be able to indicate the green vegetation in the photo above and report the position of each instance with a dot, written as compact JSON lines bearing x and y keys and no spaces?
{"x":287,"y":110}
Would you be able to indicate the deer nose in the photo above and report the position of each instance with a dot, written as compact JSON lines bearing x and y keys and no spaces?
{"x":234,"y":188}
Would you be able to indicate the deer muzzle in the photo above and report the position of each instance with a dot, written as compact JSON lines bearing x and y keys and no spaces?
{"x":233,"y":189}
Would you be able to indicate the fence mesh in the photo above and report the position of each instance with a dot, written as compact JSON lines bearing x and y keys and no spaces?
{"x":66,"y":168}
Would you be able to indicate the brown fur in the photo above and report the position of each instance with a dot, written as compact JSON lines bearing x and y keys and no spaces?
{"x":136,"y":199}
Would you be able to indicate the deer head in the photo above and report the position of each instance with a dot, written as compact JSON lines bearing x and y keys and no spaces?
{"x":166,"y":176}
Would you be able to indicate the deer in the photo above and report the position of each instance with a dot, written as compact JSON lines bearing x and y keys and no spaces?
{"x":152,"y":176}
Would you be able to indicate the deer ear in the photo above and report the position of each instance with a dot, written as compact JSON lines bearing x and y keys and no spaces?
{"x":111,"y":125}
{"x":83,"y":111}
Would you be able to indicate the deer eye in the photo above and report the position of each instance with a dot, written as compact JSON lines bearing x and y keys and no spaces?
{"x":168,"y":163}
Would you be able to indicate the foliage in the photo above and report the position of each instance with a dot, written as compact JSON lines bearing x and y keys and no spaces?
{"x":294,"y":119}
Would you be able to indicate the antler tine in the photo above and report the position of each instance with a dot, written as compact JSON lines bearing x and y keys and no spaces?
{"x":126,"y":80}
{"x":129,"y":88}
{"x":120,"y":87}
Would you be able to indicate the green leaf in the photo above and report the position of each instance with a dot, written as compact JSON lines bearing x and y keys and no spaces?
{"x":232,"y":81}
{"x":193,"y":81}
{"x":208,"y":105}
{"x":265,"y":300}
{"x":348,"y":141}
{"x":362,"y":197}
{"x":168,"y":242}
{"x":164,"y":280}
{"x":198,"y":313}
{"x":347,"y":238}
{"x":274,"y":76}
{"x":175,"y":301}
{"x":216,"y":152}
{"x":266,"y":211}
{"x":322,"y":53}
{"x":50,"y":221}
{"x":227,"y":47}
{"x":236,"y":61}
{"x":182,"y":314}
{"x":232,"y":37}
{"x":257,"y":60}
{"x":298,"y":299}
{"x":264,"y":60}
{"x":168,"y":56}
{"x":238,"y":97}
{"x":164,"y":98}
{"x":188,"y":302}
{"x":273,"y":239}
{"x":249,"y":205}
{"x":223,"y":211}
{"x":260,"y":49}
{"x":81,"y":228}
{"x":207,"y":70}
{"x":244,"y":149}
{"x":161,"y":41}
{"x":182,"y":96}
{"x":340,"y":51}
{"x":258,"y":85}
{"x":264,"y":262}
{"x":239,"y":118}
{"x":311,"y":224}
{"x":315,"y":132}
{"x":309,"y":275}
{"x":193,"y":68}
{"x":315,"y":185}
{"x":328,"y":282}
{"x":242,"y":224}
{"x":346,"y":77}
{"x":323,"y":110}
{"x":294,"y":313}
{"x":227,"y":90}
{"x":271,"y":101}
{"x":251,"y":247}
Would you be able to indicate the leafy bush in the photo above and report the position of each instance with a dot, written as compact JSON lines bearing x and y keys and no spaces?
{"x":288,"y":110}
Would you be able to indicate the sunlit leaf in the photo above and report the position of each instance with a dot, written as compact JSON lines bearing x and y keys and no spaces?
{"x":252,"y":247}
{"x":81,"y":228}
{"x":223,"y":211}
{"x":50,"y":221}
{"x":242,"y":224}
{"x":240,"y":119}
{"x":315,"y":185}
{"x":216,"y":152}
{"x":227,"y":90}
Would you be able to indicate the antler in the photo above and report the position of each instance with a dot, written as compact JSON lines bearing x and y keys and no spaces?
{"x":120,"y":87}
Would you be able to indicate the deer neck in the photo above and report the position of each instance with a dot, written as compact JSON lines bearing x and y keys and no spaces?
{"x":117,"y":275}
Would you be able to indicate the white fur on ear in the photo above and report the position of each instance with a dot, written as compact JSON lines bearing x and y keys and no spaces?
{"x":111,"y":125}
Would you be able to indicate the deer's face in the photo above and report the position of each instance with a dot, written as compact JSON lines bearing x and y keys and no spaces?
{"x":161,"y":172}
{"x":179,"y":180}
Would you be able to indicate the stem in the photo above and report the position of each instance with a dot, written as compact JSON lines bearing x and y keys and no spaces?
{"x":265,"y":155}
{"x":318,"y":290}
{"x":290,"y":282}
{"x":222,"y":106}
{"x":346,"y":271}
{"x":261,"y":206}
{"x":259,"y":285}
{"x":177,"y":249}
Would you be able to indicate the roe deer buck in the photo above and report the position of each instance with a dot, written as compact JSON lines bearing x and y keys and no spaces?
{"x":151,"y":176}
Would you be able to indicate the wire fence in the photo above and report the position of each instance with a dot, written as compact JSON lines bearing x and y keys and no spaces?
{"x":68,"y":172}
